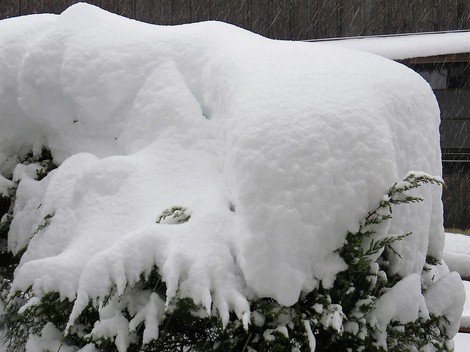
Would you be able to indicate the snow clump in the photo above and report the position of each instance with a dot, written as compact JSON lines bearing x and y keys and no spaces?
{"x":268,"y":151}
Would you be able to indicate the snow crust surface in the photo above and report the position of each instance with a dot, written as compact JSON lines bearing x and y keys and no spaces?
{"x":275,"y":149}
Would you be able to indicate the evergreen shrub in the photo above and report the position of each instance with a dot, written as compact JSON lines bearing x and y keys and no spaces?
{"x":325,"y":319}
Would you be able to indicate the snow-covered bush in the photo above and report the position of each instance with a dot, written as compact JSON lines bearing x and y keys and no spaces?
{"x":368,"y":308}
{"x":216,"y":189}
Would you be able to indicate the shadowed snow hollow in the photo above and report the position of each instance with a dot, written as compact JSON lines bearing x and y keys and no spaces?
{"x":274,"y":149}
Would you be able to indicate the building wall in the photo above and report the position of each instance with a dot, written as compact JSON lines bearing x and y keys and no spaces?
{"x":281,"y":19}
{"x":457,"y":197}
{"x":449,"y":76}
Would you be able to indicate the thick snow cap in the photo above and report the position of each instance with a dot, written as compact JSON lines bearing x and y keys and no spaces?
{"x":405,"y":46}
{"x":274,"y":149}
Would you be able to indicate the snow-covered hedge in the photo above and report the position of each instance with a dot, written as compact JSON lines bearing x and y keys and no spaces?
{"x":211,"y":177}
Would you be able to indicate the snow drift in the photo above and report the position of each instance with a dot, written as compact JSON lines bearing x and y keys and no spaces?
{"x":273,"y":149}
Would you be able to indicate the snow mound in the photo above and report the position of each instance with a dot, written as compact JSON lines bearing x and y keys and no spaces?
{"x":465,"y":320}
{"x":273,"y":150}
{"x":457,"y":253}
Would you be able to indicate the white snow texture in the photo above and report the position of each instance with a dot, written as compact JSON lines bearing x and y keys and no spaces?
{"x":275,"y":149}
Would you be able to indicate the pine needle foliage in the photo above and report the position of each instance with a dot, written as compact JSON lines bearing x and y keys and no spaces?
{"x":174,"y":215}
{"x":336,"y":316}
{"x":21,"y":319}
{"x":13,"y":326}
{"x":44,"y":161}
{"x":44,"y":164}
{"x":7,"y":259}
